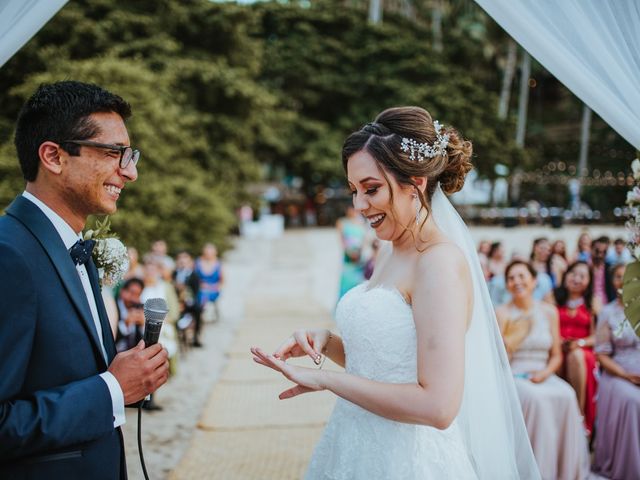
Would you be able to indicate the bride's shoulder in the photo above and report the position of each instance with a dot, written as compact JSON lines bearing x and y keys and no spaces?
{"x":442,"y":266}
{"x":441,"y":257}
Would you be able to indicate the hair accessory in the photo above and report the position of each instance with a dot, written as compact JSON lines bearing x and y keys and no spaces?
{"x":421,"y":151}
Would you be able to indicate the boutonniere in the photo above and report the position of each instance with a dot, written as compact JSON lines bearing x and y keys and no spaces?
{"x":109,"y":254}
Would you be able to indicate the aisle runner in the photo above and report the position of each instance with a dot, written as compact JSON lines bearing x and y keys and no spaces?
{"x":245,"y":431}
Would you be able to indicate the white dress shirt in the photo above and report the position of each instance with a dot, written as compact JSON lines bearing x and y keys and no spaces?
{"x":69,"y":238}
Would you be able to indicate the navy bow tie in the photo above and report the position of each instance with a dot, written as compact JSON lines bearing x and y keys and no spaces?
{"x":81,"y":251}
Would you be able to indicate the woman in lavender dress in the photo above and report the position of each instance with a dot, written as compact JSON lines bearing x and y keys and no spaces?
{"x":617,"y":444}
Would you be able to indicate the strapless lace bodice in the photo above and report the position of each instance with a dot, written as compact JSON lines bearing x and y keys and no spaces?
{"x":379,"y":336}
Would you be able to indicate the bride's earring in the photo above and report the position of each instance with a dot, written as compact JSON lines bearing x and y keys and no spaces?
{"x":415,"y":196}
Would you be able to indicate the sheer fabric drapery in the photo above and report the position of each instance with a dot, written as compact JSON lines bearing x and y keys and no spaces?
{"x":591,"y":46}
{"x":20,"y":20}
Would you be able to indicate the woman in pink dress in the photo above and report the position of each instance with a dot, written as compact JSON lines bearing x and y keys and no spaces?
{"x":574,"y":302}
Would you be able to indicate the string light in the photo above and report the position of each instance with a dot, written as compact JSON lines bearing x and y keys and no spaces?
{"x":559,"y":173}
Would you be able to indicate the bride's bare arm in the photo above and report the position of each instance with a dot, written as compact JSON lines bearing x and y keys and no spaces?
{"x":441,"y":307}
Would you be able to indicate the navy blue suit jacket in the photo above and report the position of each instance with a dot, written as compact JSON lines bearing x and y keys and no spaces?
{"x":56,"y":414}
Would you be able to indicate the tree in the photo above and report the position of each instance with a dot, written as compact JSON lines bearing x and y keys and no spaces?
{"x":172,"y":184}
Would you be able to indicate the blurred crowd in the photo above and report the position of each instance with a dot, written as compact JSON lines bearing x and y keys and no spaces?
{"x":191,"y":287}
{"x":575,"y":361}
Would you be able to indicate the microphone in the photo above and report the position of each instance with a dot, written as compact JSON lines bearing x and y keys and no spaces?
{"x":155,"y":311}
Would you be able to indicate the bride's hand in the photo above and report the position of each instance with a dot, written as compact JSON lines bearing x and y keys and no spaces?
{"x":306,"y":379}
{"x":304,"y":342}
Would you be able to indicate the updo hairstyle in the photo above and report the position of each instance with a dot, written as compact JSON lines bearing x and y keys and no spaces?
{"x":382,"y":139}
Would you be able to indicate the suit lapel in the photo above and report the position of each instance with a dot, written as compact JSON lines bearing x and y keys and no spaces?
{"x":107,"y":334}
{"x":43,"y":230}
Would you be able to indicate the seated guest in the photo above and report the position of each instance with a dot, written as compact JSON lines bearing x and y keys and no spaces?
{"x":500,"y":295}
{"x":187,"y":285}
{"x":209,"y":270}
{"x":540,"y":258}
{"x":130,"y":315}
{"x":551,"y":413}
{"x":575,"y":310}
{"x":483,"y":251}
{"x":559,"y":261}
{"x":619,"y":253}
{"x":156,"y":287}
{"x":603,"y":291}
{"x":496,"y":262}
{"x":617,"y":443}
{"x":583,"y":250}
{"x":135,"y":269}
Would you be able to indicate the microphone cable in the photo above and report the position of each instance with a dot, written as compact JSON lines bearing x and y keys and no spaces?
{"x":155,"y":311}
{"x":144,"y":467}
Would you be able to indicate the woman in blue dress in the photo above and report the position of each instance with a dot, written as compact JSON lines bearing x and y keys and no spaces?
{"x":209,"y":270}
{"x":352,"y":235}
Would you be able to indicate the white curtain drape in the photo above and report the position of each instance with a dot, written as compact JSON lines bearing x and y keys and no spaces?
{"x":591,"y":46}
{"x":20,"y":20}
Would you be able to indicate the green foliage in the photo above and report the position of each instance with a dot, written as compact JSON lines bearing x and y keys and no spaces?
{"x":223,"y":93}
{"x":336,"y":72}
{"x":172,"y":184}
{"x":631,"y":296}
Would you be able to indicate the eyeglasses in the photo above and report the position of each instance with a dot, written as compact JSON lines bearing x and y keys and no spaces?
{"x":127,"y":154}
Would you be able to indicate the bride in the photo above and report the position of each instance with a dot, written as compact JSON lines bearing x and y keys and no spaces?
{"x":427,"y":391}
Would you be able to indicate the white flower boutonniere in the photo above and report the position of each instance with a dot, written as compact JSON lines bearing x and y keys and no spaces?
{"x":109,"y":254}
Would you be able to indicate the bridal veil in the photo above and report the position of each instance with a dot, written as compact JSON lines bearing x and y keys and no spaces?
{"x":490,"y":415}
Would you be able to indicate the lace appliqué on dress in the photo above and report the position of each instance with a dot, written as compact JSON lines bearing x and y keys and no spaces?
{"x":379,"y":337}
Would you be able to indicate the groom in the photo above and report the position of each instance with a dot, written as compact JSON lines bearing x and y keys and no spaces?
{"x":62,"y":387}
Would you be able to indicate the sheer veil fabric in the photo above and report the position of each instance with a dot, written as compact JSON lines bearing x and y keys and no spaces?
{"x":490,"y":415}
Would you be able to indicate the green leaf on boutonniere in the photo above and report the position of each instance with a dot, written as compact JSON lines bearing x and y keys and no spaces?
{"x":109,"y":254}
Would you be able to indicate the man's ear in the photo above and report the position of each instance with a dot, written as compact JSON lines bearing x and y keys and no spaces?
{"x":50,"y":153}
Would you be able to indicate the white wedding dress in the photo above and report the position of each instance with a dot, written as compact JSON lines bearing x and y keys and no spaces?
{"x":487,"y":440}
{"x":379,"y":337}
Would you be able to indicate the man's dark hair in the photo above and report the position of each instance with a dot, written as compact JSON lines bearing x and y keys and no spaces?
{"x":60,"y":111}
{"x":602,"y":239}
{"x":619,"y":241}
{"x":132,"y":281}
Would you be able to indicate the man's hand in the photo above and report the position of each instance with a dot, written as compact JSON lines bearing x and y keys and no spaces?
{"x":140,"y":371}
